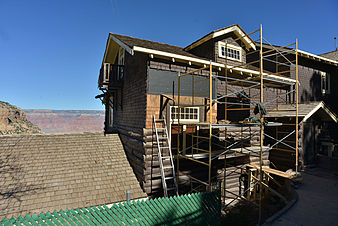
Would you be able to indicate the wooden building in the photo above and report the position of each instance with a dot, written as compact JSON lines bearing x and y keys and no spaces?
{"x":139,"y":81}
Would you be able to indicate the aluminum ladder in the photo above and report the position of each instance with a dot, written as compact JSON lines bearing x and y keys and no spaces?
{"x":164,"y":153}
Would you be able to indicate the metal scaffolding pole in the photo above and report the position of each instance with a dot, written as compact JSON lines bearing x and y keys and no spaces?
{"x":297,"y":84}
{"x":236,"y":83}
{"x":261,"y":126}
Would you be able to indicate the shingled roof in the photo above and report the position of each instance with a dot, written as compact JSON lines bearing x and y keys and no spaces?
{"x":41,"y":173}
{"x":305,"y":110}
{"x":131,"y":42}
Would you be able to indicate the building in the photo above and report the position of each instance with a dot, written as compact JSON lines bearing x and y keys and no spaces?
{"x":43,"y":173}
{"x":139,"y":80}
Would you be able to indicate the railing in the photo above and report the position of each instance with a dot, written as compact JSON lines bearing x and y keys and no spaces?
{"x":110,"y":74}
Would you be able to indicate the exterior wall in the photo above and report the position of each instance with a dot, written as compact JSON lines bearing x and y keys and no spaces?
{"x":281,"y":156}
{"x":310,"y":82}
{"x":154,"y":107}
{"x":153,"y":103}
{"x":205,"y":50}
{"x":130,"y":113}
{"x":209,"y":49}
{"x":129,"y":110}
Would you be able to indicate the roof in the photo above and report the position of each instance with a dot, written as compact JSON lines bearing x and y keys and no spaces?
{"x":249,"y":43}
{"x":43,"y":173}
{"x":328,"y":59}
{"x":192,"y":209}
{"x":131,"y":42}
{"x":305,"y":110}
{"x":333,"y":55}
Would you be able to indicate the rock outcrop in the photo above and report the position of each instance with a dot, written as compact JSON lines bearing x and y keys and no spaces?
{"x":13,"y":121}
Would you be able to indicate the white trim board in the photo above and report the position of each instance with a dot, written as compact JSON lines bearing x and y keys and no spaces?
{"x":320,"y":105}
{"x":124,"y":46}
{"x":320,"y":58}
{"x":205,"y":62}
{"x":234,"y":28}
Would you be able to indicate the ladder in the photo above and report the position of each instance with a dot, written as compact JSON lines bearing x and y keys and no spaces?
{"x":164,"y":153}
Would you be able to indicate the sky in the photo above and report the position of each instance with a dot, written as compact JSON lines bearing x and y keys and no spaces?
{"x":51,"y":51}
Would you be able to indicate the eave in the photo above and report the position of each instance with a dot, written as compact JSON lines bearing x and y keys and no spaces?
{"x":197,"y":61}
{"x":249,"y":43}
{"x":316,"y":57}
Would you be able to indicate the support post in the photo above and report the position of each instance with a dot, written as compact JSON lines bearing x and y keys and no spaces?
{"x":184,"y":140}
{"x":178,"y":126}
{"x":261,"y":125}
{"x":297,"y":85}
{"x":210,"y":124}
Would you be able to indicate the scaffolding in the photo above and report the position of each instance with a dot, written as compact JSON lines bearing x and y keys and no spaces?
{"x":238,"y":80}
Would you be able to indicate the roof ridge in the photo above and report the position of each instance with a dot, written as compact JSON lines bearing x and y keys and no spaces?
{"x":328,"y":52}
{"x":51,"y":134}
{"x":213,"y":31}
{"x":148,"y":40}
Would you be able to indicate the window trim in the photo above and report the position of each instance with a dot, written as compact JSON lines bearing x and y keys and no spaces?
{"x":229,"y":46}
{"x":185,"y":120}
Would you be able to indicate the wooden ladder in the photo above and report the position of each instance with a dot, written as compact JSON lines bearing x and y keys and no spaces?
{"x":164,"y":153}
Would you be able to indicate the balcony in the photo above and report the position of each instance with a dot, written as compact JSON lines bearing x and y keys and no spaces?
{"x":111,"y":75}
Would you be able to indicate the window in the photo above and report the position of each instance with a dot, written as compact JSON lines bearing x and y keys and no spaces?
{"x":111,"y":111}
{"x":188,"y":114}
{"x":120,"y":63}
{"x":231,"y":52}
{"x":325,"y":82}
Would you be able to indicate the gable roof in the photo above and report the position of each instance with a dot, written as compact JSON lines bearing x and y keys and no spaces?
{"x":60,"y":171}
{"x":328,"y":58}
{"x":176,"y":53}
{"x":305,"y":110}
{"x":131,"y":42}
{"x":249,"y":43}
{"x":333,"y":55}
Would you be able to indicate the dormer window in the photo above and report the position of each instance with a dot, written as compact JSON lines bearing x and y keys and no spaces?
{"x":229,"y":51}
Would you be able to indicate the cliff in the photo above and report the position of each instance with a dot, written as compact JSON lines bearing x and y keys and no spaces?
{"x":13,"y":121}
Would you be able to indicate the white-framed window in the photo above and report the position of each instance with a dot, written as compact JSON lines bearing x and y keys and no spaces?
{"x":188,"y":114}
{"x":232,"y":52}
{"x":325,"y":82}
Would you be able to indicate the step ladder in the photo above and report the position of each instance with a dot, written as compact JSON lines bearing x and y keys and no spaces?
{"x":164,"y":153}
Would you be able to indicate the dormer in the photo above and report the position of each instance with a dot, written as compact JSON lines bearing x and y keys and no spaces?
{"x":226,"y":44}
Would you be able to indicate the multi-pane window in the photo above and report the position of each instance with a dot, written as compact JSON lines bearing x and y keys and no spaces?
{"x":230,"y":51}
{"x":190,"y":114}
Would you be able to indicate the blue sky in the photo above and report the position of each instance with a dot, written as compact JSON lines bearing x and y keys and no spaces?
{"x":51,"y":51}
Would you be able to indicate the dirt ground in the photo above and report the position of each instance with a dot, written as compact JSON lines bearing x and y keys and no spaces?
{"x":318,"y":200}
